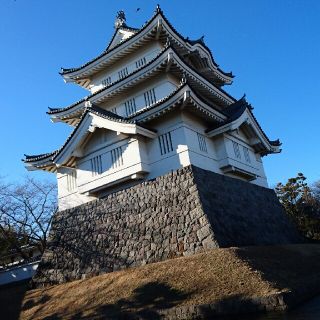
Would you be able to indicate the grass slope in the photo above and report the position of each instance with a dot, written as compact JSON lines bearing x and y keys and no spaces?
{"x":215,"y":275}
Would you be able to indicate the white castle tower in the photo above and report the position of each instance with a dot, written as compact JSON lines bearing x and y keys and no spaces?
{"x":155,"y":104}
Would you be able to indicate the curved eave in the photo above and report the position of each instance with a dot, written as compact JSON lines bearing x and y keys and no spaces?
{"x":168,"y":59}
{"x":40,"y":162}
{"x":204,"y":51}
{"x":92,"y":118}
{"x":184,"y":98}
{"x":266,"y":146}
{"x":157,"y":24}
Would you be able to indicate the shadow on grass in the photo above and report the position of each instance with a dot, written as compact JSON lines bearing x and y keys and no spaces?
{"x":35,"y":302}
{"x":145,"y":303}
{"x":284,"y":267}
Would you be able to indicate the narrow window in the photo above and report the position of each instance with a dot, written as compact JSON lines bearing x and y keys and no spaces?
{"x":202,"y":143}
{"x":96,"y":165}
{"x":116,"y":157}
{"x":123,"y":73}
{"x":130,"y":106}
{"x":150,"y":97}
{"x":246,"y":154}
{"x":106,"y":81}
{"x":165,"y":143}
{"x":71,"y":180}
{"x":236,"y":149}
{"x":141,"y":62}
{"x":114,"y":110}
{"x":146,"y":98}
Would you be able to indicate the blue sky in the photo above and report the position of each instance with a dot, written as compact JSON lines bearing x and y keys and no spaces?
{"x":272,"y":47}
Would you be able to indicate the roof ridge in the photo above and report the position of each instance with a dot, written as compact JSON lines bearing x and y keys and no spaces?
{"x":69,"y":70}
{"x":158,"y":11}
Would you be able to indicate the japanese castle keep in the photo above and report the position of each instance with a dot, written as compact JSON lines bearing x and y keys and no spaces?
{"x":161,"y":162}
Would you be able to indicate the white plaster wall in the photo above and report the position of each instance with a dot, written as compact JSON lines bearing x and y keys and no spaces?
{"x":162,"y":84}
{"x":133,"y":162}
{"x":142,"y":156}
{"x":161,"y":89}
{"x":205,"y":160}
{"x":255,"y":164}
{"x":184,"y":129}
{"x":179,"y":157}
{"x":101,"y":143}
{"x":67,"y":199}
{"x":149,"y":51}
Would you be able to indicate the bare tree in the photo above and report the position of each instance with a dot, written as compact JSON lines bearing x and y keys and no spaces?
{"x":26,"y":210}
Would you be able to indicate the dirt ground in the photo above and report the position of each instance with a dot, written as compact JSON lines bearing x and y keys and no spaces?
{"x":215,"y":275}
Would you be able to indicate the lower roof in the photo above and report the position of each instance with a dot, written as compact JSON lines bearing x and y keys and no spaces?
{"x":184,"y":96}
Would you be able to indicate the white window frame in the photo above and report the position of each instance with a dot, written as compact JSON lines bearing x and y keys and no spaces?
{"x":202,"y":142}
{"x":116,"y":157}
{"x":165,"y":143}
{"x":130,"y":106}
{"x":72,"y":180}
{"x":150,"y":97}
{"x":246,"y":154}
{"x":141,"y":62}
{"x":106,"y":81}
{"x":236,"y":149}
{"x":96,"y":165}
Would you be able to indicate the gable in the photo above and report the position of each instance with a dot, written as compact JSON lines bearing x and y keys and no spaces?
{"x":119,"y":36}
{"x":99,"y":138}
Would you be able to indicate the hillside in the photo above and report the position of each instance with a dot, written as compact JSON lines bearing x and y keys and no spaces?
{"x":219,"y":277}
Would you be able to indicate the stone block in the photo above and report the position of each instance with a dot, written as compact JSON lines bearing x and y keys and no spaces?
{"x":182,"y":212}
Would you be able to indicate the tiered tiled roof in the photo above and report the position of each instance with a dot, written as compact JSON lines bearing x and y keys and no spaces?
{"x":32,"y":158}
{"x":108,"y":50}
{"x":93,"y":109}
{"x":230,"y":110}
{"x":236,"y":110}
{"x":53,"y":111}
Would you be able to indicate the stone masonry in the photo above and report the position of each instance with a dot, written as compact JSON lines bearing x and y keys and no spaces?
{"x":180,"y":213}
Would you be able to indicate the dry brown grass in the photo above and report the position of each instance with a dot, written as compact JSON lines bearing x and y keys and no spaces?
{"x":200,"y":279}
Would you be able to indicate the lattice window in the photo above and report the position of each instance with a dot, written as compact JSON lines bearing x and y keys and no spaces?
{"x":130,"y":106}
{"x":202,"y":143}
{"x":165,"y":143}
{"x":150,"y":97}
{"x":106,"y":81}
{"x":72,"y":180}
{"x":123,"y":73}
{"x":116,"y":157}
{"x":141,"y":62}
{"x":236,"y":149}
{"x":246,"y":154}
{"x":96,"y":165}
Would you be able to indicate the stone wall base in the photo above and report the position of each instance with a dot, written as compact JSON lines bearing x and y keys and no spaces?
{"x":180,"y":213}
